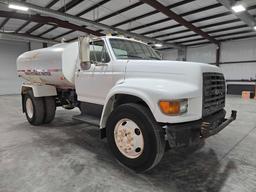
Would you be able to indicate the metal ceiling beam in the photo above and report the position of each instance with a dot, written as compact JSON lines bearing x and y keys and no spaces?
{"x":201,"y":27}
{"x":47,"y":31}
{"x":106,"y":17}
{"x":223,"y":40}
{"x":182,"y":15}
{"x":63,"y":9}
{"x":6,"y":20}
{"x":103,"y":18}
{"x":245,"y":16}
{"x":152,"y":13}
{"x":26,"y":38}
{"x":120,"y":11}
{"x":92,"y":7}
{"x":195,"y":21}
{"x":78,"y":15}
{"x":237,"y":38}
{"x":233,"y":33}
{"x":62,"y":34}
{"x":87,"y":22}
{"x":135,"y":18}
{"x":209,"y":32}
{"x":217,"y":36}
{"x":155,"y":4}
{"x":48,"y":20}
{"x":22,"y":26}
{"x":53,"y":2}
{"x":70,"y":5}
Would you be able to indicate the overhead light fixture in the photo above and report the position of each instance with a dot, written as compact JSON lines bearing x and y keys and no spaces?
{"x":158,"y":45}
{"x":237,"y":8}
{"x":18,"y":7}
{"x":254,"y":28}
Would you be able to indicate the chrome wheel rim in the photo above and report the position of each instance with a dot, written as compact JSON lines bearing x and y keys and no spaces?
{"x":129,"y":138}
{"x":29,"y":108}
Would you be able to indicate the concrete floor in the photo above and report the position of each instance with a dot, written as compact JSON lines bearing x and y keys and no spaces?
{"x":68,"y":156}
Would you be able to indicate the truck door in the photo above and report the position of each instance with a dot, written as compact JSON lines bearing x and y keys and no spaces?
{"x":93,"y":84}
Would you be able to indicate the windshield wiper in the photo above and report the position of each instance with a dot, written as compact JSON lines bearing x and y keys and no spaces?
{"x":135,"y":56}
{"x":151,"y":57}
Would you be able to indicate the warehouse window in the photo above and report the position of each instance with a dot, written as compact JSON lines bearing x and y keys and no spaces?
{"x":98,"y":52}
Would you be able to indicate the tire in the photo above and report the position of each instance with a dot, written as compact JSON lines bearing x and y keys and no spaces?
{"x":34,"y":108}
{"x":151,"y":149}
{"x":50,"y":109}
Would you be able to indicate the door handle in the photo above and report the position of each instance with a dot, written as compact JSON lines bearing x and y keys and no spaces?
{"x":78,"y":72}
{"x":100,"y":64}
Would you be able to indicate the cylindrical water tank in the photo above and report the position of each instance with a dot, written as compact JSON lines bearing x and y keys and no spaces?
{"x":54,"y":65}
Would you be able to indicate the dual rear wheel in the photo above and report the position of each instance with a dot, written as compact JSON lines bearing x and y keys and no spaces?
{"x":39,"y":110}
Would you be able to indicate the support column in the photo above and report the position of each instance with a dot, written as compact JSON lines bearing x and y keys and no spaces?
{"x":218,"y":54}
{"x":182,"y":54}
{"x":29,"y":46}
{"x":45,"y":45}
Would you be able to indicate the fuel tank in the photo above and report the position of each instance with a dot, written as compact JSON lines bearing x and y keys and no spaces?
{"x":54,"y":65}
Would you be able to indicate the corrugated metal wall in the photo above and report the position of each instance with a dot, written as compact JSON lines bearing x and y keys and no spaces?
{"x":241,"y":50}
{"x":9,"y":51}
{"x":232,"y":51}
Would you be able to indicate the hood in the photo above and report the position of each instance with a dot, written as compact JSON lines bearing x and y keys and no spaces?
{"x":164,"y":69}
{"x":168,"y":67}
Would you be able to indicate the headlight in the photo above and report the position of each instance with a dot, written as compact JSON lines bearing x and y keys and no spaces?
{"x":174,"y":107}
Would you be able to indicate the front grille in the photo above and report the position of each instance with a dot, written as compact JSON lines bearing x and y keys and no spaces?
{"x":214,"y":89}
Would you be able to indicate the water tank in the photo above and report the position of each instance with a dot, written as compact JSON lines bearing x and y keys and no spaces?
{"x":54,"y":65}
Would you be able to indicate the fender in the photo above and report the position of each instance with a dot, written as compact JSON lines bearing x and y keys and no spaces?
{"x":151,"y":91}
{"x":110,"y":100}
{"x":40,"y":90}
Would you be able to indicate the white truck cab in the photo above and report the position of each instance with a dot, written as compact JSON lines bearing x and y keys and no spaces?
{"x":140,"y":102}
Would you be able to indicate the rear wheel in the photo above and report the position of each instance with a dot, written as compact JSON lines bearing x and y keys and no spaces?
{"x":50,"y":109}
{"x":34,"y":108}
{"x":135,"y":138}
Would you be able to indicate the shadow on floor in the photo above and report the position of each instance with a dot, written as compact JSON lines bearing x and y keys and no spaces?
{"x":197,"y":172}
{"x":180,"y":171}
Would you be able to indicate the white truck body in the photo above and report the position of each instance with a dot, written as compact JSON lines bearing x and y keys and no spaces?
{"x":148,"y":80}
{"x":59,"y":65}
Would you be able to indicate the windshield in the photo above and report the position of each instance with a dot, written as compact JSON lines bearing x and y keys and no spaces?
{"x":125,"y":49}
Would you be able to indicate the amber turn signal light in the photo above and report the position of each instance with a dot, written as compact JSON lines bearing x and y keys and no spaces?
{"x":175,"y":107}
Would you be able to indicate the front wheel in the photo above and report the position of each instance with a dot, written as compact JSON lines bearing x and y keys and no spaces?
{"x":135,"y":138}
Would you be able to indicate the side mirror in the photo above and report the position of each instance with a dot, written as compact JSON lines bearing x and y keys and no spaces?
{"x":84,"y":52}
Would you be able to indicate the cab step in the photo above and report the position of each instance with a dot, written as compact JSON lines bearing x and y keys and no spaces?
{"x":88,"y":119}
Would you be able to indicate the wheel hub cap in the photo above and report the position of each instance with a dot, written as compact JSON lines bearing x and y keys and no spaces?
{"x":29,"y":108}
{"x":129,"y":138}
